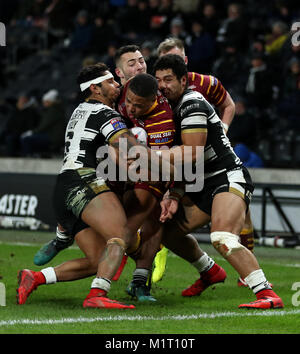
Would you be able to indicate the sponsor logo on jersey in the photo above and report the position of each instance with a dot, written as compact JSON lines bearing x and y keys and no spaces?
{"x":118,"y":124}
{"x":78,"y":114}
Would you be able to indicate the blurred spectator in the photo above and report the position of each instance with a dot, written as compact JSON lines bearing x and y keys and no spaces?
{"x":289,"y":109}
{"x":243,"y":127}
{"x":83,"y":31}
{"x":75,"y":29}
{"x":166,"y":7}
{"x":288,"y":51}
{"x":59,"y":25}
{"x":177,"y":29}
{"x":276,"y":39}
{"x":31,"y":13}
{"x":48,"y":136}
{"x":148,"y":52}
{"x":142,"y":22}
{"x":103,"y":34}
{"x":259,"y":84}
{"x":230,"y":68}
{"x":289,"y":105}
{"x":292,"y":80}
{"x":234,"y":28}
{"x":165,"y":12}
{"x":185,"y":6}
{"x":285,"y":12}
{"x":200,"y":48}
{"x":25,"y":117}
{"x":108,"y":57}
{"x":210,"y":19}
{"x":87,"y":61}
{"x":154,"y":7}
{"x":258,"y":46}
{"x":161,"y":14}
{"x":247,"y":156}
{"x":126,"y":17}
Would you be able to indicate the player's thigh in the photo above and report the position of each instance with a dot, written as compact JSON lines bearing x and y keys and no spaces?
{"x":150,"y":227}
{"x":231,"y":199}
{"x":228,"y":213}
{"x":188,"y":218}
{"x":139,"y":205}
{"x":105,"y":214}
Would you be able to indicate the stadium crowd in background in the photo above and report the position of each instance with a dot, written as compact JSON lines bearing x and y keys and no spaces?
{"x":246,"y":44}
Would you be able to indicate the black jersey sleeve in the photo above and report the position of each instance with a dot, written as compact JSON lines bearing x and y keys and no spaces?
{"x":194,"y":113}
{"x":108,"y":122}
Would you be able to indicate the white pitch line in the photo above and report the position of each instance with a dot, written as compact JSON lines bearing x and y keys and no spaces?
{"x":267,"y":313}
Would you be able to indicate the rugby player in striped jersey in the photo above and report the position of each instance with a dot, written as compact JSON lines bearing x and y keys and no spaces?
{"x":215,"y":93}
{"x":85,"y":206}
{"x":226,"y":194}
{"x":160,"y":130}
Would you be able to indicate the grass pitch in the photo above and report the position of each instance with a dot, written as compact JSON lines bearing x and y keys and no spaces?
{"x":57,"y":309}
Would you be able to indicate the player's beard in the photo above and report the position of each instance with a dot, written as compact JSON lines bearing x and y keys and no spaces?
{"x":110,"y":96}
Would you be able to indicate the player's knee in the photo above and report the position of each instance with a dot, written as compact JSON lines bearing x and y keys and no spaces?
{"x":124,"y":237}
{"x":226,"y":242}
{"x":116,"y":246}
{"x":226,"y":221}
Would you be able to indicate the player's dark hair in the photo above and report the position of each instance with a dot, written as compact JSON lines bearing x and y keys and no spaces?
{"x":174,"y":62}
{"x":132,"y":48}
{"x":144,"y":85}
{"x":88,"y":73}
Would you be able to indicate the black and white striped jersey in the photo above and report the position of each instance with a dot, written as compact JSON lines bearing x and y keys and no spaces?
{"x":194,"y":114}
{"x":91,"y":125}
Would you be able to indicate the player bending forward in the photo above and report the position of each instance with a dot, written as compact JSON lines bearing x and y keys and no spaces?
{"x":85,"y":206}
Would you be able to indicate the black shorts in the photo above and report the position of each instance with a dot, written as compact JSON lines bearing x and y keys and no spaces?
{"x":74,"y":189}
{"x":237,"y":181}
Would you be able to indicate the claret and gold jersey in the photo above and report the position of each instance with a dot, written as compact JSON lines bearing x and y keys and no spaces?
{"x":158,"y":121}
